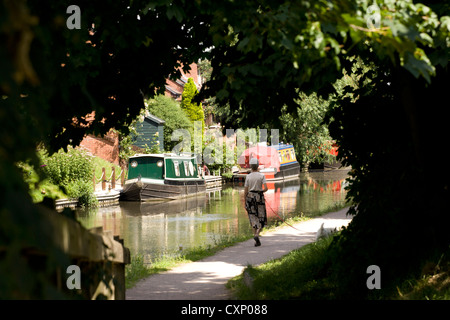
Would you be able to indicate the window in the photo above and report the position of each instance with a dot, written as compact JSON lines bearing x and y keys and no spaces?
{"x":177,"y":168}
{"x":293,"y":154}
{"x":283,"y":156}
{"x":186,"y":167}
{"x":191,"y":168}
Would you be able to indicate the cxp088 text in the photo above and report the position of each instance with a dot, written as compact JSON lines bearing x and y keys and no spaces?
{"x":246,"y":309}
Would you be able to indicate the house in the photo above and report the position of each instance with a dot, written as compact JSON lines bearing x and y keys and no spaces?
{"x":175,"y":88}
{"x":150,"y":132}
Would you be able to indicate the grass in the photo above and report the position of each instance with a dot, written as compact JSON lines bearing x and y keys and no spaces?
{"x":299,"y":274}
{"x":306,"y":274}
{"x":432,"y":284}
{"x":301,"y":218}
{"x":100,"y":163}
{"x":138,"y":269}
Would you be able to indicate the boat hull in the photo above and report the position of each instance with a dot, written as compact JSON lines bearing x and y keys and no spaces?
{"x":287,"y":172}
{"x":170,"y":190}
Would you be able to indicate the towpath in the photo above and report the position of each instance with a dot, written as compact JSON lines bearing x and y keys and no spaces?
{"x":205,"y":279}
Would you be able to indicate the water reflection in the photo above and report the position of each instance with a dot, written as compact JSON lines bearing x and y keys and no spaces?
{"x":153,"y":229}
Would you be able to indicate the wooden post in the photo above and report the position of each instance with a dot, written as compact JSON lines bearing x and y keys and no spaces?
{"x":93,"y":179}
{"x":113,"y":177}
{"x":103,"y":179}
{"x":122,"y":177}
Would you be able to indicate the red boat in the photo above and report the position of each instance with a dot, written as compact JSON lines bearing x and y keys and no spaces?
{"x":277,"y":162}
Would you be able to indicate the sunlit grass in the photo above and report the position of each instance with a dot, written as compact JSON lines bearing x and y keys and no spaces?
{"x":138,"y":269}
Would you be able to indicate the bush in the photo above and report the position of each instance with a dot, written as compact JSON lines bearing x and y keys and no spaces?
{"x":175,"y":118}
{"x":83,"y":191}
{"x":72,"y":171}
{"x":63,"y":168}
{"x":39,"y":188}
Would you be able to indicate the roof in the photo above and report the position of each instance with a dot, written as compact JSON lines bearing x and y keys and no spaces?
{"x":282,"y":146}
{"x":162,"y":155}
{"x":155,"y":119}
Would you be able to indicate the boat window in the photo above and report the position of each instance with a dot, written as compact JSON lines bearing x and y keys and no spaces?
{"x":177,"y":168}
{"x":186,"y":167}
{"x":191,"y":168}
{"x":293,"y":154}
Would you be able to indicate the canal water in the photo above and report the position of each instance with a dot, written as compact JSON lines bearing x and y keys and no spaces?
{"x":164,"y":228}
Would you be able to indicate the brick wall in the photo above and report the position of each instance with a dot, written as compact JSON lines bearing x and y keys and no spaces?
{"x":106,"y":148}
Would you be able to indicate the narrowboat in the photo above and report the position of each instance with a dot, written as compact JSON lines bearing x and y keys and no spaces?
{"x":276,"y":162}
{"x":156,"y":177}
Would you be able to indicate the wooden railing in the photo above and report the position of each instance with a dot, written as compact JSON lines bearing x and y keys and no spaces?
{"x":100,"y":256}
{"x":113,"y":179}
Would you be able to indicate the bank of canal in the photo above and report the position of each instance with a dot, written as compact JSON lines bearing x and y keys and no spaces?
{"x":154,"y":230}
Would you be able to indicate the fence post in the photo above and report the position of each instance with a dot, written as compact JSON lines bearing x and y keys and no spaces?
{"x":103,"y":179}
{"x":113,"y":177}
{"x":93,"y":179}
{"x":122,"y":177}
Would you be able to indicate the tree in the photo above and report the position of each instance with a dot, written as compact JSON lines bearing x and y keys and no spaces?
{"x":307,"y":130}
{"x":383,"y":128}
{"x":193,"y":110}
{"x":52,"y":77}
{"x":306,"y":45}
{"x":175,"y":118}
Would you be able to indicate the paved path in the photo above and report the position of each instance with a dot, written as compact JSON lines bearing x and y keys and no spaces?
{"x":205,"y":279}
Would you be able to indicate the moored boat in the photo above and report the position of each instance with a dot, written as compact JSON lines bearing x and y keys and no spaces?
{"x":156,"y":177}
{"x":276,"y":162}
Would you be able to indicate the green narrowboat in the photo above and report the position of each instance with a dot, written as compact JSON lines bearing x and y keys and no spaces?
{"x":162,"y":177}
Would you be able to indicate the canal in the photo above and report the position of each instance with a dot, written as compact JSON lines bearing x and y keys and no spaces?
{"x":160,"y":229}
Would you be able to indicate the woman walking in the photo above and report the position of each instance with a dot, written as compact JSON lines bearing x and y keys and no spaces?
{"x":255,"y":186}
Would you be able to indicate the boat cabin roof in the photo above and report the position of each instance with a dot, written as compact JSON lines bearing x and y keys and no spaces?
{"x":282,"y":146}
{"x":162,"y":155}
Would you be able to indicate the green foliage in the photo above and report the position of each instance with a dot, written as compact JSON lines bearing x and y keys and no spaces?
{"x":126,"y":140}
{"x":301,"y":274}
{"x":82,"y":190}
{"x":135,"y":271}
{"x":100,"y":163}
{"x":155,"y":147}
{"x":170,"y":111}
{"x":63,"y":168}
{"x":52,"y":77}
{"x":73,"y":171}
{"x":399,"y":220}
{"x":39,"y":187}
{"x":307,"y":43}
{"x":193,"y":110}
{"x":307,"y":130}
